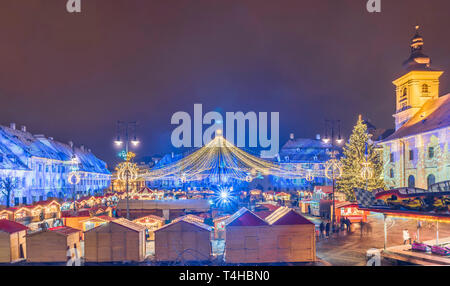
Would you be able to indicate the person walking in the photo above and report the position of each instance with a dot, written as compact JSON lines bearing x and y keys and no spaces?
{"x":342,"y":223}
{"x":321,"y":228}
{"x":361,"y":226}
{"x":348,"y":223}
{"x":406,"y":236}
{"x":327,"y":229}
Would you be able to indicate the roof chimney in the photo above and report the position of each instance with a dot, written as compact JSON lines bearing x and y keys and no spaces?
{"x":317,"y":136}
{"x":12,"y":125}
{"x":291,"y":136}
{"x":24,"y":128}
{"x":82,"y":148}
{"x":71,"y":144}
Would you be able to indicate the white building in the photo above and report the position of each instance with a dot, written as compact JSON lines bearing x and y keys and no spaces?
{"x":41,"y":167}
{"x":416,"y":154}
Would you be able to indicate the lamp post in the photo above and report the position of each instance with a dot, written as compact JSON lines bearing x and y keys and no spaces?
{"x":330,"y":125}
{"x":124,"y":128}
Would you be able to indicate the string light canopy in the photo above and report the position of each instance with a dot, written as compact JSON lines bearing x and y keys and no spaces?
{"x":220,"y":161}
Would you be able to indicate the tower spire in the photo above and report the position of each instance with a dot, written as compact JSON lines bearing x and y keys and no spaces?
{"x":417,"y":60}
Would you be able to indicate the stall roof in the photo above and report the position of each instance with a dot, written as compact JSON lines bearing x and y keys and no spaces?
{"x":245,"y":217}
{"x":129,"y":224}
{"x":154,"y":217}
{"x":64,"y":230}
{"x":286,"y":216}
{"x":11,"y":226}
{"x":184,"y":220}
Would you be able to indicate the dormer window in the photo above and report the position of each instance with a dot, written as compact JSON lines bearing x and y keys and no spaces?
{"x":425,"y":88}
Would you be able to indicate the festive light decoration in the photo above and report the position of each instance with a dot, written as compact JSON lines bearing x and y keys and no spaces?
{"x":366,"y":171}
{"x":127,"y":169}
{"x":309,"y":176}
{"x":74,"y":178}
{"x":333,"y":168}
{"x":360,"y":159}
{"x":221,"y":161}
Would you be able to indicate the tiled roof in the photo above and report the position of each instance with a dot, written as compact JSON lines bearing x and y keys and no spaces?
{"x":23,"y":145}
{"x":434,"y":114}
{"x":11,"y":226}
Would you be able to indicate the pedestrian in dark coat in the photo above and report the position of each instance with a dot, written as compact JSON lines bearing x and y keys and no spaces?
{"x":327,"y":229}
{"x":321,"y":228}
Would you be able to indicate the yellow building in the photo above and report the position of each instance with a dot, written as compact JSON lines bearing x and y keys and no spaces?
{"x":416,"y":154}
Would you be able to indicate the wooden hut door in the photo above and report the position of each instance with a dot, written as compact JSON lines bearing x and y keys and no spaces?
{"x":21,"y":255}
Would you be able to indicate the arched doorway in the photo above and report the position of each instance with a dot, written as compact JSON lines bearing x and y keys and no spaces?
{"x":431,"y":179}
{"x":411,"y":181}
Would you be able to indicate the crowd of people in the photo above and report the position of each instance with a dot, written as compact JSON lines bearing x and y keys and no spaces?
{"x":326,"y":228}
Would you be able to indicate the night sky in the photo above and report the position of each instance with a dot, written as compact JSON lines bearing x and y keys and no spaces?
{"x":72,"y":76}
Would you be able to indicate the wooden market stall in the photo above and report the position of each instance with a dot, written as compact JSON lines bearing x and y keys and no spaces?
{"x":7,"y":213}
{"x":350,"y":211}
{"x":95,"y":221}
{"x":246,"y":237}
{"x":52,"y":245}
{"x":292,"y":238}
{"x":74,"y":218}
{"x":183,"y":240}
{"x":12,"y":241}
{"x":151,"y":223}
{"x":219,"y":226}
{"x":118,"y":240}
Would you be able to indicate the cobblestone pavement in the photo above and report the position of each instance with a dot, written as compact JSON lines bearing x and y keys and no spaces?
{"x":350,"y":249}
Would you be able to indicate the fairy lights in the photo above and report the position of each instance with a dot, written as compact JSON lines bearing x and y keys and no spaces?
{"x":221,"y":161}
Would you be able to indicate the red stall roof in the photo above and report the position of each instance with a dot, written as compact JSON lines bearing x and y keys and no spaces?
{"x":11,"y":226}
{"x":286,"y":216}
{"x":245,"y":217}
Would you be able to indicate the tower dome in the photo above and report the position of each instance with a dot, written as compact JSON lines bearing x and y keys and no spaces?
{"x":417,"y":60}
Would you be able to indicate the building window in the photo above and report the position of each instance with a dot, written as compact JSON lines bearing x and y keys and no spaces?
{"x":411,"y":155}
{"x":411,"y":182}
{"x":391,"y":157}
{"x":430,"y":152}
{"x":404,"y":92}
{"x":431,"y":179}
{"x":391,"y":173}
{"x":425,"y":88}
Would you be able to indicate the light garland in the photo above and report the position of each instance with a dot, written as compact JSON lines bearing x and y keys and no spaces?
{"x":220,"y":160}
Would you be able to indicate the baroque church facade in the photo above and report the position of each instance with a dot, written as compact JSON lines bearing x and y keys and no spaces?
{"x":416,"y":154}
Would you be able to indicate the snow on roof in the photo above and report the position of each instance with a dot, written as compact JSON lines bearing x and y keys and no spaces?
{"x":184,"y":220}
{"x":11,"y":226}
{"x":23,"y":145}
{"x":129,"y":224}
{"x":245,"y":217}
{"x":286,"y":216}
{"x":64,"y":230}
{"x":434,"y":114}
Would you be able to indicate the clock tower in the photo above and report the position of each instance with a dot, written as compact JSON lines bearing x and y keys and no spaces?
{"x":419,"y":84}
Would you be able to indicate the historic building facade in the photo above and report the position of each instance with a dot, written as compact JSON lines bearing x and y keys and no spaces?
{"x":416,"y":154}
{"x":41,"y":167}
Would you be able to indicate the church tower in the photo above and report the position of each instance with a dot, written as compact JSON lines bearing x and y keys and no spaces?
{"x":419,"y":84}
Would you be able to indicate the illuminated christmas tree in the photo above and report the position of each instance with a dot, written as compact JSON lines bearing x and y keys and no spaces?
{"x":361,"y":163}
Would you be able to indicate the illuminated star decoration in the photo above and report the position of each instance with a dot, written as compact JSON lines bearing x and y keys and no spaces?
{"x":224,"y":197}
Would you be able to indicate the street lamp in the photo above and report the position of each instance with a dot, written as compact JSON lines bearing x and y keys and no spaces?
{"x":334,"y":165}
{"x":125,"y":128}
